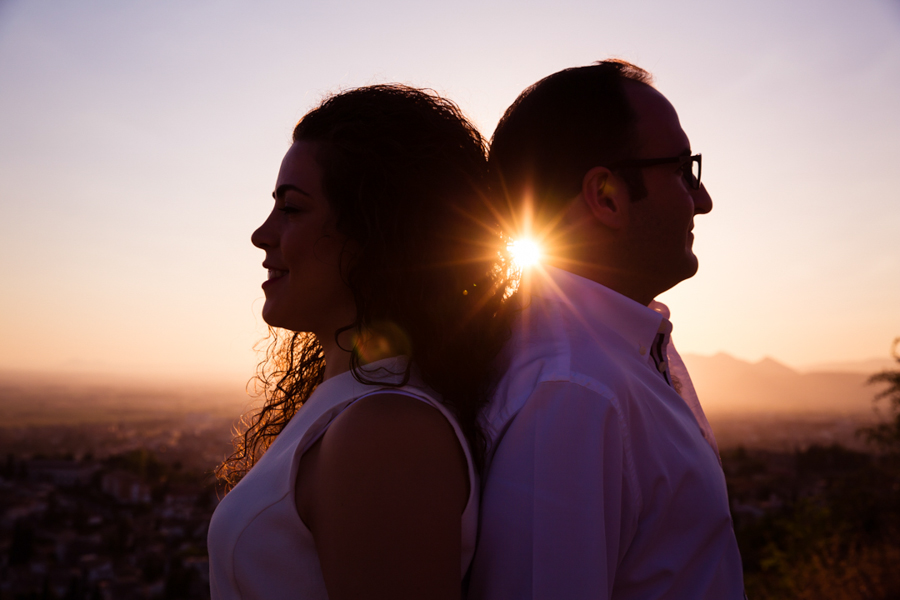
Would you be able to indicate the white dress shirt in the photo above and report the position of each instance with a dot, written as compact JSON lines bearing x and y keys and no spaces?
{"x":602,"y":482}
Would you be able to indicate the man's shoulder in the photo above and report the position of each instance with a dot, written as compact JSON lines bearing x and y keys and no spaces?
{"x":553,"y":342}
{"x":561,"y":362}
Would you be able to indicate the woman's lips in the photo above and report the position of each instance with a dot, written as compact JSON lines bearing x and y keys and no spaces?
{"x":273,"y":276}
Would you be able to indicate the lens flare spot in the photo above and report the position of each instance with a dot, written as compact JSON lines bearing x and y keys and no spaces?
{"x":525,"y":252}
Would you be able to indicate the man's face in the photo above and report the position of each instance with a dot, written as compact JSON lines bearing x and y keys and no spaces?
{"x":659,"y":235}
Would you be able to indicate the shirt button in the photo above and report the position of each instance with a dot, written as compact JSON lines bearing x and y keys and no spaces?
{"x":642,"y":350}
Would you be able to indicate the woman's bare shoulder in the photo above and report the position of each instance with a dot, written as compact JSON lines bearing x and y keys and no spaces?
{"x":389,"y":482}
{"x":395,"y":431}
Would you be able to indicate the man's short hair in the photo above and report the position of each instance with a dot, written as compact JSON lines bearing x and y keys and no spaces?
{"x":560,"y":128}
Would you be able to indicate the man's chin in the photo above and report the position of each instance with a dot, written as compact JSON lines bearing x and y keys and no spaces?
{"x":688,"y":270}
{"x":692,"y":268}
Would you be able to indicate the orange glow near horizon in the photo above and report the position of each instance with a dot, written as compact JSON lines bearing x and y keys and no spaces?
{"x":167,"y":282}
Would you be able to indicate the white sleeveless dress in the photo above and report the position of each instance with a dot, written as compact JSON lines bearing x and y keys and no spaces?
{"x":259,"y":548}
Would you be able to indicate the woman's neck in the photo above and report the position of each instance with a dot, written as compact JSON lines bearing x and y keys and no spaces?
{"x":337,"y":359}
{"x":370,"y":346}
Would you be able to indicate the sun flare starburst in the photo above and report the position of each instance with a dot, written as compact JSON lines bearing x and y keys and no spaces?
{"x":525,"y":252}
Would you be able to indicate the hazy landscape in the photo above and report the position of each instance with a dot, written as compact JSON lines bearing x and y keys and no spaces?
{"x":35,"y":398}
{"x":765,"y":404}
{"x":106,"y":483}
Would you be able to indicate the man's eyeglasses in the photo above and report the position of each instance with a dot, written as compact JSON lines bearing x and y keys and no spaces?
{"x":690,"y":166}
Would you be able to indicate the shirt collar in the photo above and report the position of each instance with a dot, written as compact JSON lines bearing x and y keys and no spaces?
{"x":597,"y":304}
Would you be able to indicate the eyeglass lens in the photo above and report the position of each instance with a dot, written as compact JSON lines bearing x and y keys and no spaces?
{"x":692,"y":172}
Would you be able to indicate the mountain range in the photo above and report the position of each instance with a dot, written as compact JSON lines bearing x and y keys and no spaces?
{"x":727,"y":385}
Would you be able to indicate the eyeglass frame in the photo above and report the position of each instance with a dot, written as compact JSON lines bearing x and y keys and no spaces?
{"x":683,"y":159}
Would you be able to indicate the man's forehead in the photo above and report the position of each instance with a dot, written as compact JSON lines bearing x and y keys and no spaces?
{"x":657,"y":127}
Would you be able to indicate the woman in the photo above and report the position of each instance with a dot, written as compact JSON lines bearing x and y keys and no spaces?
{"x":389,"y":288}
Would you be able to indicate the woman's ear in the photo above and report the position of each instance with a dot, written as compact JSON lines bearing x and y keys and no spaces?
{"x":606,"y":197}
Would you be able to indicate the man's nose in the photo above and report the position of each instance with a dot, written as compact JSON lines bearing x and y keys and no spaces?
{"x":702,"y":201}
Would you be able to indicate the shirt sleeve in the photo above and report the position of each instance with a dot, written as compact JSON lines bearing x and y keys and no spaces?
{"x":557,"y":508}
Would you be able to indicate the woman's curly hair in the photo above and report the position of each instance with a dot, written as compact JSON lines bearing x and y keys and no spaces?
{"x":406,"y":175}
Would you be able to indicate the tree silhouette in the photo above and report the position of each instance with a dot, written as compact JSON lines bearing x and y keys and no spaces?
{"x":886,"y":435}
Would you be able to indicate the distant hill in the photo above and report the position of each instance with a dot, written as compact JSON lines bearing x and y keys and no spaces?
{"x":728,"y":385}
{"x":872,"y":365}
{"x":53,"y":399}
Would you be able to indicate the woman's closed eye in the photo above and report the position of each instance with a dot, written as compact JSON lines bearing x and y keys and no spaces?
{"x":290,"y":210}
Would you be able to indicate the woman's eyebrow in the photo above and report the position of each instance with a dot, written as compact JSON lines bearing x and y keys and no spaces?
{"x":284,"y":187}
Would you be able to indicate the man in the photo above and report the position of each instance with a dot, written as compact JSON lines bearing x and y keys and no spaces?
{"x":603,"y":479}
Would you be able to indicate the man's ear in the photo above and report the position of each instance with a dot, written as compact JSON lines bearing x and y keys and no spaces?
{"x":606,"y":197}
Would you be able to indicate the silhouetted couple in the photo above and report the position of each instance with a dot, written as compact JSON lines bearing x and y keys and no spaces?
{"x":439,"y":421}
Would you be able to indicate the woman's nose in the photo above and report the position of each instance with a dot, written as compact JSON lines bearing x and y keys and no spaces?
{"x":264,"y":236}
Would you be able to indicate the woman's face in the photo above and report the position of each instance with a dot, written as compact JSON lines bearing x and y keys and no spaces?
{"x":304,"y":252}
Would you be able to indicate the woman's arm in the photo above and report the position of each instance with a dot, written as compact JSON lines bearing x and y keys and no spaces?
{"x":383,"y":491}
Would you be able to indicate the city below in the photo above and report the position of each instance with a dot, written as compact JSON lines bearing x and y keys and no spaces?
{"x":106,"y":489}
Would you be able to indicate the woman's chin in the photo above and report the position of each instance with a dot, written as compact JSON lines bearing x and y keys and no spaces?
{"x":274,"y":318}
{"x":271,"y":316}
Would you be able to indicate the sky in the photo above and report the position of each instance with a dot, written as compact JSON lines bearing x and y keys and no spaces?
{"x":140,"y":141}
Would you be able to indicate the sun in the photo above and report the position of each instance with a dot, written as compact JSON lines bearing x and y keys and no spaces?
{"x":525,"y":252}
